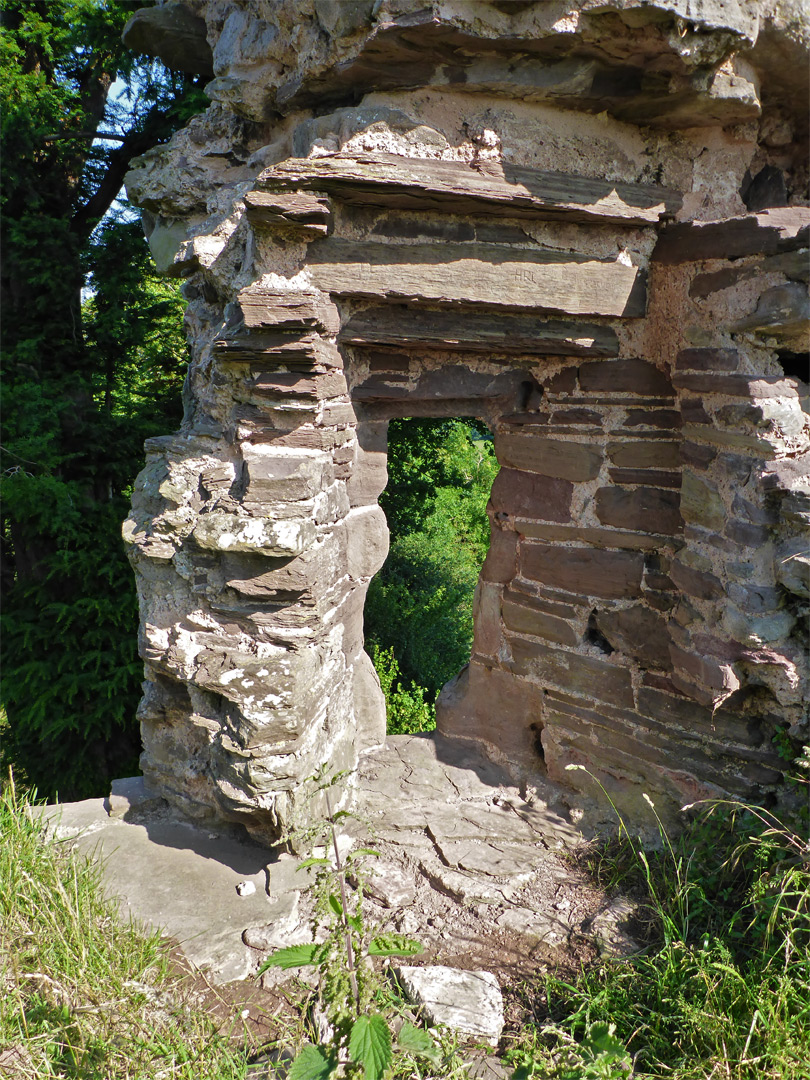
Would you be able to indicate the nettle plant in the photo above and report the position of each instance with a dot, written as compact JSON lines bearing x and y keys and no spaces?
{"x":357,"y":1038}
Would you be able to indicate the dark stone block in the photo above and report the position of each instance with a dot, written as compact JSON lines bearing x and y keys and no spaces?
{"x":661,"y":700}
{"x":707,"y":360}
{"x":641,"y":509}
{"x":656,"y":418}
{"x":749,"y":511}
{"x":637,"y":632}
{"x":705,"y":671}
{"x":697,"y":455}
{"x":756,"y":598}
{"x":577,"y":416}
{"x":696,"y":583}
{"x":531,"y":495}
{"x":645,"y":476}
{"x":566,"y":460}
{"x":624,"y":377}
{"x":564,"y":382}
{"x":730,"y":385}
{"x":742,"y":532}
{"x":765,"y":190}
{"x":611,"y":575}
{"x":692,"y":411}
{"x":651,"y":454}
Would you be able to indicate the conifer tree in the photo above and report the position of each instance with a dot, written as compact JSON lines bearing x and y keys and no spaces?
{"x":92,"y":355}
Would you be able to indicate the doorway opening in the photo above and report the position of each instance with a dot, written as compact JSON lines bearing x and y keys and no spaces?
{"x":419,"y":609}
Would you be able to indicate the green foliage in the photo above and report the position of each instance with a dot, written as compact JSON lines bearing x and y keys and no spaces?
{"x":723,"y":988}
{"x":406,"y":709}
{"x":418,"y":614}
{"x":349,"y":992}
{"x":83,"y":382}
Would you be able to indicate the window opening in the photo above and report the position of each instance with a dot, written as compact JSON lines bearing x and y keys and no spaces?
{"x":419,"y":610}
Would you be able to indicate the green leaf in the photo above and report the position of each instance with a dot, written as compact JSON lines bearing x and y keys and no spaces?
{"x":305,"y":865}
{"x":293,"y":957}
{"x":417,"y":1041}
{"x":312,"y":1064}
{"x":335,"y":905}
{"x":360,"y":852}
{"x":370,"y":1044}
{"x":393,"y":945}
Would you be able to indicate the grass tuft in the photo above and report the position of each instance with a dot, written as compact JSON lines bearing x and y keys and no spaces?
{"x":82,"y":995}
{"x":722,"y":989}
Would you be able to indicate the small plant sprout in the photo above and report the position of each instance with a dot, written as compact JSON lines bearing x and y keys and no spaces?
{"x":357,"y":1036}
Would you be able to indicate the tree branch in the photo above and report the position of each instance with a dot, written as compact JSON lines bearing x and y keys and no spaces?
{"x":156,"y":127}
{"x":109,"y":136}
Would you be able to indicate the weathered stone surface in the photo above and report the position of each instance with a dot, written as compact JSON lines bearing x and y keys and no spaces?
{"x":468,"y":1002}
{"x":564,"y":459}
{"x":609,"y":574}
{"x":646,"y":509}
{"x":766,"y":233}
{"x":393,"y":886}
{"x":227,"y":532}
{"x":388,"y":180}
{"x":624,"y":377}
{"x":520,"y":615}
{"x":638,"y":632}
{"x":582,"y":675}
{"x":646,"y":455}
{"x":300,"y":216}
{"x":173,"y":33}
{"x":478,"y":331}
{"x":480,"y":236}
{"x":701,"y":502}
{"x":501,"y":559}
{"x":480,"y":274}
{"x":146,"y":861}
{"x":524,"y":494}
{"x":707,"y":360}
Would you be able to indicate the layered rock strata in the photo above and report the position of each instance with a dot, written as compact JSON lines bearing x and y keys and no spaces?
{"x":586,"y":224}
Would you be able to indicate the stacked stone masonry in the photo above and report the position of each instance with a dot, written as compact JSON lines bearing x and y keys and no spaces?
{"x":586,"y":224}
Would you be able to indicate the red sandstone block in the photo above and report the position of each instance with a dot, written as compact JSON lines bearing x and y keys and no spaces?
{"x":500,"y":565}
{"x":577,"y":416}
{"x":692,"y":411}
{"x":567,"y":460}
{"x":647,"y":454}
{"x":523,"y":617}
{"x":611,"y":575}
{"x":582,"y":675}
{"x":531,"y":495}
{"x":641,"y":509}
{"x":659,"y":699}
{"x":564,"y":382}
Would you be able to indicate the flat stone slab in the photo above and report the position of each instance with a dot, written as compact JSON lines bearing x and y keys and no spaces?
{"x":181,"y":879}
{"x":468,"y":1002}
{"x":466,"y":860}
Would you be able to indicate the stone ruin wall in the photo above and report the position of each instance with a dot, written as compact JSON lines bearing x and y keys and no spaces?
{"x":586,"y":224}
